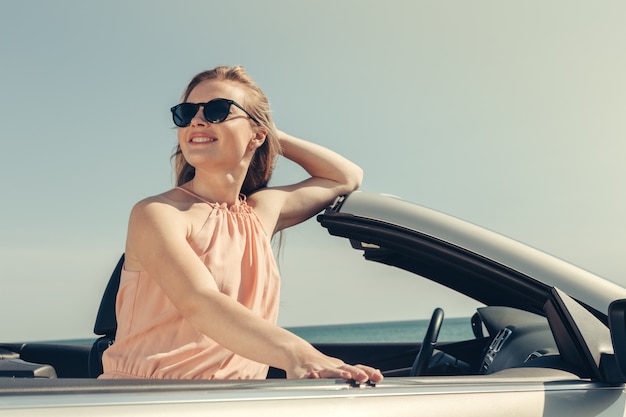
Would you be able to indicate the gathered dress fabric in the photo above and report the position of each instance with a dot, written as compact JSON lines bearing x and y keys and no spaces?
{"x":155,"y":341}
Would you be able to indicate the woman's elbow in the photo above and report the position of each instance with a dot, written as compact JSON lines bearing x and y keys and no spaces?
{"x":355,"y":180}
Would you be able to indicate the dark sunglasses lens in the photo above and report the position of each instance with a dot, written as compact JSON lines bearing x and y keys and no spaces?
{"x":216,"y":111}
{"x":183,"y":113}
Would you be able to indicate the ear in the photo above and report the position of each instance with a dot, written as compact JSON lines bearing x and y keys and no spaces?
{"x":259,"y":136}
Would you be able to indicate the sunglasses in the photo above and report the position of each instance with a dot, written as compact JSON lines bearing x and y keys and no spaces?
{"x":215,"y":111}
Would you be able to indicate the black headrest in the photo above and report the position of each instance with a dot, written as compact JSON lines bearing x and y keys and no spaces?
{"x":106,"y":323}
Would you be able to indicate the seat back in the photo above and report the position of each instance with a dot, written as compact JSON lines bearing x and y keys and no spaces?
{"x":106,"y":321}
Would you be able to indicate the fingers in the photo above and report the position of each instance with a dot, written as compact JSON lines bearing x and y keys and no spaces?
{"x":359,"y":373}
{"x":331,"y":373}
{"x":367,"y":373}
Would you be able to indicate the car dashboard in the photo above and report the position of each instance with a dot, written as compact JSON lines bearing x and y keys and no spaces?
{"x":519,"y":337}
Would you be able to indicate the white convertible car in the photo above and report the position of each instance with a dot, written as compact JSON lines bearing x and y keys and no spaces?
{"x":549,"y":340}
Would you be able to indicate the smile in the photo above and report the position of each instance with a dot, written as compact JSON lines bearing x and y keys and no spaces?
{"x":202,"y":140}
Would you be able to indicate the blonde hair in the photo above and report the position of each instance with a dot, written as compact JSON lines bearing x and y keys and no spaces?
{"x":257,"y":104}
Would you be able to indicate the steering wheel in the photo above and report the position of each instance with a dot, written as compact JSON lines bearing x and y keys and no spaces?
{"x":428,"y":345}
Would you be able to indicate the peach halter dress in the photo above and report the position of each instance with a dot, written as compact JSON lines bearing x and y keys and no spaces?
{"x":153,"y":339}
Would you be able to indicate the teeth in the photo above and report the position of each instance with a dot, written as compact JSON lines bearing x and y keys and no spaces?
{"x":201,"y":140}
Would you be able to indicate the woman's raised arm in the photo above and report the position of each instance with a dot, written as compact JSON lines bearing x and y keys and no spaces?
{"x":331,"y":174}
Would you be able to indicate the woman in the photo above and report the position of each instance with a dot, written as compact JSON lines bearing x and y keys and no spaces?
{"x":199,"y":291}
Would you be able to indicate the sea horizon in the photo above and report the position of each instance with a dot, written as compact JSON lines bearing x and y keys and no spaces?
{"x":452,"y":329}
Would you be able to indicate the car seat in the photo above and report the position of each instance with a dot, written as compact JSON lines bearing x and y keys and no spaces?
{"x":106,"y":322}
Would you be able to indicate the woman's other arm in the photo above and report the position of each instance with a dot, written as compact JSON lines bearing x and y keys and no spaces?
{"x":331,"y":175}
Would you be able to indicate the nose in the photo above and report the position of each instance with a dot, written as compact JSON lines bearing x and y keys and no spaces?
{"x":198,"y":119}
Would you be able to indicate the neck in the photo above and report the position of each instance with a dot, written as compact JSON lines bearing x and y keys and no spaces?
{"x":224,"y":189}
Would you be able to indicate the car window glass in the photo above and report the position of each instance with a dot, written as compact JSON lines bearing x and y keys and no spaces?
{"x":331,"y":294}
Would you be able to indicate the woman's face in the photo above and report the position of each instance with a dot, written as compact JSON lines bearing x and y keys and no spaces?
{"x":227,"y":146}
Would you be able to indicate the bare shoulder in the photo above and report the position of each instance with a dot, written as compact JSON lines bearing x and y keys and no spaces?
{"x":171,"y":203}
{"x":173,"y":198}
{"x":155,"y":221}
{"x":162,"y":213}
{"x":268,"y":204}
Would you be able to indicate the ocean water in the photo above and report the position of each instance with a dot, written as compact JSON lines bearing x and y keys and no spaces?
{"x":453,"y":329}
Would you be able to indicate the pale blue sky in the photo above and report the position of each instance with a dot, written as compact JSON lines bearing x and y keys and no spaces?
{"x":508,"y":114}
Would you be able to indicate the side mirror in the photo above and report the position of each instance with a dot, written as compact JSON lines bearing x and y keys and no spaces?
{"x":617,"y":324}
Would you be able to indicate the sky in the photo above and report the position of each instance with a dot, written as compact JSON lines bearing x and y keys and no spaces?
{"x":511,"y":115}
